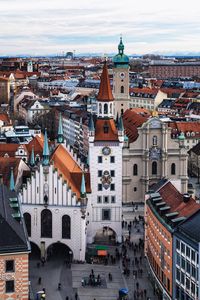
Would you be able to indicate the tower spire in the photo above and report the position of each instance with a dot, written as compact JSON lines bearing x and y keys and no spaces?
{"x":12,"y":181}
{"x":121,"y":46}
{"x":60,"y":138}
{"x":105,"y":92}
{"x":45,"y":154}
{"x":32,"y":159}
{"x":83,"y":188}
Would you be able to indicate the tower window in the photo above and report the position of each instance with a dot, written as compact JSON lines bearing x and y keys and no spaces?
{"x":122,"y":89}
{"x":112,"y":159}
{"x":112,"y":187}
{"x":105,"y":214}
{"x":100,"y":173}
{"x":100,"y":159}
{"x":99,"y":187}
{"x":173,"y":169}
{"x":112,"y":173}
{"x":135,"y":169}
{"x":105,"y":199}
{"x":154,"y":168}
{"x":113,"y":200}
{"x":105,"y":108}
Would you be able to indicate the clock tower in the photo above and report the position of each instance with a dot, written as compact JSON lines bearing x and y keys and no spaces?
{"x":105,"y":163}
{"x":121,"y":81}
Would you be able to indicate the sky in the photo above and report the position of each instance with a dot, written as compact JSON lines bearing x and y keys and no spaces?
{"x":42,"y":27}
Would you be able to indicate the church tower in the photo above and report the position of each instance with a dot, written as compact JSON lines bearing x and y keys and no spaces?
{"x":105,"y":161}
{"x":121,"y":80}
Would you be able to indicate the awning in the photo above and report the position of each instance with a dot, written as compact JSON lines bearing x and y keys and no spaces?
{"x":101,"y":252}
{"x":101,"y":247}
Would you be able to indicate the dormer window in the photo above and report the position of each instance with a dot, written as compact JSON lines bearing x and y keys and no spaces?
{"x":105,"y":128}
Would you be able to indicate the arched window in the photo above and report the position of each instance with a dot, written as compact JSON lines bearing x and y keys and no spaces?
{"x":100,"y":108}
{"x":135,"y":169}
{"x":105,"y":108}
{"x":46,"y":223}
{"x":155,"y":140}
{"x":27,"y":219}
{"x":122,"y":89}
{"x":154,"y":168}
{"x":66,"y":227}
{"x":173,"y":169}
{"x":110,"y":108}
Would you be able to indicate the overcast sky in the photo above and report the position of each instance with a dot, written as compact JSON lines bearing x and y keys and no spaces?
{"x":53,"y":26}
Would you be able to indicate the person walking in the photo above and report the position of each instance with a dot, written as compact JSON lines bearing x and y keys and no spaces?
{"x":76,"y":296}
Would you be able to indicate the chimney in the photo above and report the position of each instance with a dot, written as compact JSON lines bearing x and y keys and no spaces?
{"x":186,"y":197}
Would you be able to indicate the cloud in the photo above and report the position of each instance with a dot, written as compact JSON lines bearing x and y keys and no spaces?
{"x":46,"y":27}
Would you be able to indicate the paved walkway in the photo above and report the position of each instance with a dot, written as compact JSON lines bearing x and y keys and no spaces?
{"x":55,"y":271}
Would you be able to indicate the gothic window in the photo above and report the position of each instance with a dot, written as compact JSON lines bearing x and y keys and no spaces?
{"x":122,"y":89}
{"x":66,"y":227}
{"x":154,"y":168}
{"x":135,"y":169}
{"x":155,"y":140}
{"x":173,"y":169}
{"x":105,"y":108}
{"x":46,"y":223}
{"x":100,"y":108}
{"x":27,"y":219}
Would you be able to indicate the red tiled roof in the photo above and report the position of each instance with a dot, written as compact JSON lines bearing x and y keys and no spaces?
{"x":152,"y":91}
{"x":100,"y":135}
{"x":174,"y":199}
{"x":105,"y":92}
{"x":9,"y":149}
{"x":185,"y":126}
{"x":70,"y":170}
{"x":6,"y":163}
{"x":132,"y":120}
{"x":36,"y":143}
{"x":5,"y":118}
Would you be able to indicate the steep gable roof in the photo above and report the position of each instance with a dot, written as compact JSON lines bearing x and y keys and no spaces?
{"x":69,"y":169}
{"x":14,"y":238}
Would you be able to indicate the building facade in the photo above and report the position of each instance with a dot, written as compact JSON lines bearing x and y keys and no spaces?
{"x":165,"y":209}
{"x":105,"y":161}
{"x":152,"y":156}
{"x":186,"y":259}
{"x":53,"y":202}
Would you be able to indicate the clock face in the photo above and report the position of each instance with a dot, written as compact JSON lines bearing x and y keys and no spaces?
{"x":122,"y":75}
{"x":106,"y":150}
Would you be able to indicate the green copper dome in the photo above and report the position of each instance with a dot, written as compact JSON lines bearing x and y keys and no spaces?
{"x":121,"y":59}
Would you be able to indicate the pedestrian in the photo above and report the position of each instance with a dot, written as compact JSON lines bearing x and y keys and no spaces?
{"x":59,"y":286}
{"x":67,"y":298}
{"x":39,"y":280}
{"x":76,"y":296}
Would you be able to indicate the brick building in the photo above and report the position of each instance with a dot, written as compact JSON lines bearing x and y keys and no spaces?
{"x":14,"y":248}
{"x":165,"y":208}
{"x":162,"y":71}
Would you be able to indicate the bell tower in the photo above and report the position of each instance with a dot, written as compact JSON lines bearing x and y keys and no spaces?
{"x":121,"y":81}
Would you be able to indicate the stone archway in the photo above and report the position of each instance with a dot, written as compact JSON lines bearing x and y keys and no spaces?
{"x":105,"y":236}
{"x":60,"y":251}
{"x":35,"y":251}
